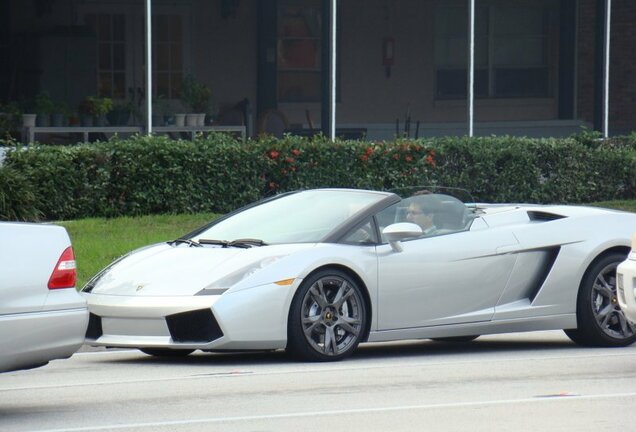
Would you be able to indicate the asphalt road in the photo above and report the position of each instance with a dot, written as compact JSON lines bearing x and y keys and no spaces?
{"x":517,"y":382}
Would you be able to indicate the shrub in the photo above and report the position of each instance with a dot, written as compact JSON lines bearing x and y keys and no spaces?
{"x":18,"y":200}
{"x":218,"y":173}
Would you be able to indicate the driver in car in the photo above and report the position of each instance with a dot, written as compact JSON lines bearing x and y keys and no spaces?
{"x":421,"y":211}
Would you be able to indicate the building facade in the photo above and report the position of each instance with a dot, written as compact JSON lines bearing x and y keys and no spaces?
{"x":399,"y":63}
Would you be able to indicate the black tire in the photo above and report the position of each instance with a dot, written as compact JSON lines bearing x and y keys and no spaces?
{"x":327,"y":318}
{"x":600,"y":320}
{"x":166,"y":352}
{"x":456,"y":339}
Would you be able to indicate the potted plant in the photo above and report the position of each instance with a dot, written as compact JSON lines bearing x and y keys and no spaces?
{"x":94,"y":109}
{"x":119,"y":115}
{"x":60,"y":114}
{"x":9,"y":120}
{"x":195,"y":95}
{"x":43,"y":106}
{"x":159,"y":106}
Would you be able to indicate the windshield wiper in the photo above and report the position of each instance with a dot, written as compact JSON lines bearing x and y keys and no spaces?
{"x":239,"y":243}
{"x":189,"y":242}
{"x":247,"y":242}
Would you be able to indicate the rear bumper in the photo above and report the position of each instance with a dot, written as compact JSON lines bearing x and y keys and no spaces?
{"x":33,"y":339}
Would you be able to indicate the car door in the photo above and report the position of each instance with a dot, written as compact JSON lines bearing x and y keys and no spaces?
{"x":446,"y":279}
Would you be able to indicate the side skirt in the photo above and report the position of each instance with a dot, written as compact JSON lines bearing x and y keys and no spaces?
{"x":553,"y":322}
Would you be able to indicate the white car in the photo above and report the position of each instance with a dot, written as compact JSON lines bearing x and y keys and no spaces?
{"x":626,"y":275}
{"x":318,"y":271}
{"x":42,"y":316}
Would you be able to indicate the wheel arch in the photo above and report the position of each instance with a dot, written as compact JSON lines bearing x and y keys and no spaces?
{"x":588,"y":332}
{"x":616,"y":249}
{"x":365,"y":292}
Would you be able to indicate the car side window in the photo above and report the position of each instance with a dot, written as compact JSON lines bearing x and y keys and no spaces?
{"x":364,"y":234}
{"x":436,"y":214}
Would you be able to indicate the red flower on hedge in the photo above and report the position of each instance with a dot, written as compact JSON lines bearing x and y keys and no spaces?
{"x":289,"y":160}
{"x":430,"y":159}
{"x":273,"y":154}
{"x":295,"y":152}
{"x":408,"y":158}
{"x":272,"y":185}
{"x":368,"y":151}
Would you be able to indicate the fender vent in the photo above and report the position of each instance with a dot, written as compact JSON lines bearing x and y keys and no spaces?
{"x":548,"y":262}
{"x":194,"y":326}
{"x":539,"y":216}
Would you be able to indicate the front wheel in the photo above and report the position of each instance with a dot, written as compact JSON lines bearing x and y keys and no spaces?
{"x":600,"y":320}
{"x":327,"y":318}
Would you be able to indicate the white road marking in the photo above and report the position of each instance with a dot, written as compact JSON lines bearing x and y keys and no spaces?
{"x":542,"y":400}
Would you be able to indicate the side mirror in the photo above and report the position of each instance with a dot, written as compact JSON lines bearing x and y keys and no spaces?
{"x":397,"y":232}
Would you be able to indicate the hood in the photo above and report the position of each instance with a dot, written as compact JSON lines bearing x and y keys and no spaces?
{"x":165,"y":270}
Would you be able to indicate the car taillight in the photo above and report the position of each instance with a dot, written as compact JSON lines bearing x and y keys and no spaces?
{"x":64,"y":274}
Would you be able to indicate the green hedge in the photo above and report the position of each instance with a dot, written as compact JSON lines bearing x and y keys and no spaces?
{"x":218,"y":173}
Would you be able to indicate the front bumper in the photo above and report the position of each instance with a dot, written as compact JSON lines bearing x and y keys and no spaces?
{"x":254,"y":318}
{"x":626,"y":282}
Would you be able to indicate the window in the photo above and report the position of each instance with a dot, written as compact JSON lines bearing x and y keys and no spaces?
{"x":299,"y":51}
{"x":511,"y":49}
{"x":167,"y":56}
{"x":110,"y":29}
{"x":364,"y":234}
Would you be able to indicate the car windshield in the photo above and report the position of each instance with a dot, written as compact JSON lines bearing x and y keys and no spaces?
{"x":301,"y":217}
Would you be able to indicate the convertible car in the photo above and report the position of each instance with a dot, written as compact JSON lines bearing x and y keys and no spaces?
{"x":316,"y":272}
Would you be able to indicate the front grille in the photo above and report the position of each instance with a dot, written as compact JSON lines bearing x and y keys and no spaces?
{"x":194,"y":326}
{"x":94,"y":330}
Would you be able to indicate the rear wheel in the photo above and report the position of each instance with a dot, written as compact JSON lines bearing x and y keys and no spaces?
{"x":164,"y":352}
{"x":456,"y":339}
{"x":327,"y":318}
{"x":600,"y":320}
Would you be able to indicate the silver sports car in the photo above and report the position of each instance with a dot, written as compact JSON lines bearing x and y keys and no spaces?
{"x":316,"y":272}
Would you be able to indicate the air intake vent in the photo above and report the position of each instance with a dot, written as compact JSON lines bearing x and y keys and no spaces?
{"x":194,"y":326}
{"x":539,"y":216}
{"x":94,"y":330}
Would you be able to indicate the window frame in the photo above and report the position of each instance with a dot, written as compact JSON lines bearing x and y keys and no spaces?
{"x":487,"y":89}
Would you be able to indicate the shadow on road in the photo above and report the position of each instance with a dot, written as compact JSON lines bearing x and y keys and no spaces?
{"x":385,"y":350}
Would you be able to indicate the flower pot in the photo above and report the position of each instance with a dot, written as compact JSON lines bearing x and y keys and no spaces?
{"x":118,"y":117}
{"x":157,"y":120}
{"x":179,"y":120}
{"x":58,"y":120}
{"x":43,"y":120}
{"x":28,"y":120}
{"x":86,"y":120}
{"x":99,"y":120}
{"x":192,"y":119}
